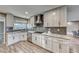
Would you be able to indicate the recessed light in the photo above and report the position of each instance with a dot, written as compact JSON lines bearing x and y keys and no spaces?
{"x":26,"y":12}
{"x":54,"y":13}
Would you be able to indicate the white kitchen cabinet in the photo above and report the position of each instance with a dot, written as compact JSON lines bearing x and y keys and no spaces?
{"x":65,"y":47}
{"x":15,"y":37}
{"x":48,"y":42}
{"x":74,"y":48}
{"x":55,"y":18}
{"x":9,"y":20}
{"x":43,"y":41}
{"x":63,"y":16}
{"x":10,"y":39}
{"x":34,"y":38}
{"x":39,"y":39}
{"x":23,"y":36}
{"x":46,"y":19}
{"x":55,"y":45}
{"x":32,"y":21}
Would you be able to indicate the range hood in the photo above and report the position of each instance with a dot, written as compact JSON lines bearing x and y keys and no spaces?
{"x":39,"y":19}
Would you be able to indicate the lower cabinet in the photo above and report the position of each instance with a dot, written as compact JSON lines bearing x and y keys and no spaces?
{"x":10,"y":39}
{"x":48,"y":43}
{"x":15,"y":37}
{"x":53,"y":44}
{"x":65,"y":47}
{"x":36,"y":39}
{"x":23,"y":36}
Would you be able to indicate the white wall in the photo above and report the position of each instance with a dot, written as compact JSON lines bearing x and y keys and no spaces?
{"x":73,"y":12}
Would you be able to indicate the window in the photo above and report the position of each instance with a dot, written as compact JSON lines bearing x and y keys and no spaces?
{"x":20,"y":26}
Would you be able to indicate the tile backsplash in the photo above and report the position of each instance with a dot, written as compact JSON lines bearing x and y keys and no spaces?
{"x":57,"y":30}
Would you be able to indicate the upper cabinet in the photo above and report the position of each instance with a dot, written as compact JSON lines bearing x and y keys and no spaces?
{"x":63,"y":16}
{"x":32,"y":21}
{"x":9,"y":20}
{"x":55,"y":18}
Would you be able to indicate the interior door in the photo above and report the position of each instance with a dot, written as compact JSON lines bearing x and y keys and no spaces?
{"x":1,"y":32}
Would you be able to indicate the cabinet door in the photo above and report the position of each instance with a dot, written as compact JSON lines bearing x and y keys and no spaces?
{"x":54,"y":18}
{"x":43,"y":41}
{"x":51,"y":18}
{"x":46,"y":20}
{"x":39,"y":39}
{"x":23,"y":36}
{"x":63,"y":17}
{"x":9,"y":20}
{"x":16,"y":37}
{"x":65,"y":47}
{"x":32,"y":20}
{"x":34,"y":38}
{"x":55,"y":45}
{"x":47,"y":43}
{"x":10,"y":39}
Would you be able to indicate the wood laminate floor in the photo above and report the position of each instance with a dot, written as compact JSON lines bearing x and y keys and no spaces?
{"x":23,"y":47}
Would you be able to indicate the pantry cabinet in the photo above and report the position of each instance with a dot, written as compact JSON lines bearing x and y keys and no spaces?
{"x":55,"y":18}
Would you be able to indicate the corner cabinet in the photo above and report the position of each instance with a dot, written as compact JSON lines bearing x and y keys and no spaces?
{"x":56,"y":17}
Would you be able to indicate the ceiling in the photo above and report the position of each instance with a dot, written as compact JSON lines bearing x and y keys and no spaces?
{"x":19,"y":10}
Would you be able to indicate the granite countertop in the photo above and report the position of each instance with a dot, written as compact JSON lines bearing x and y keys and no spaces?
{"x":57,"y":35}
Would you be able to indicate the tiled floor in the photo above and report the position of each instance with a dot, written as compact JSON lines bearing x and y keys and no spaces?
{"x":23,"y":47}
